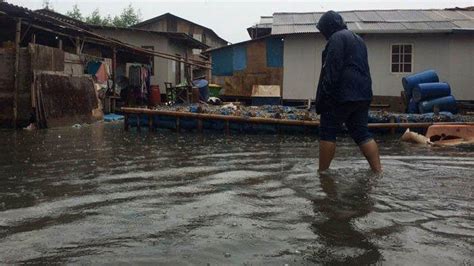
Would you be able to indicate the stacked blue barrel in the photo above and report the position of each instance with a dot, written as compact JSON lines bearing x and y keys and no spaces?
{"x":425,"y":93}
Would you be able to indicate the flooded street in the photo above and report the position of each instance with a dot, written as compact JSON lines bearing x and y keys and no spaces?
{"x":97,"y":194}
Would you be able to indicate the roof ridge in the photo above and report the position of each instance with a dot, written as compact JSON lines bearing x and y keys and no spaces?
{"x":374,"y":10}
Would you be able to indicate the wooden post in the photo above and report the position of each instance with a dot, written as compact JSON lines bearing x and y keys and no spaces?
{"x":33,"y":38}
{"x":78,"y":46}
{"x":125,"y":121}
{"x":150,"y":123}
{"x":227,"y":128}
{"x":392,"y":130}
{"x":138,"y":123}
{"x":114,"y":69}
{"x":199,"y":124}
{"x":60,"y":44}
{"x":17,"y":72}
{"x":209,"y":71}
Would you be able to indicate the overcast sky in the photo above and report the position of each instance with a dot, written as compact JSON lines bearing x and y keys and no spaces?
{"x":229,"y":19}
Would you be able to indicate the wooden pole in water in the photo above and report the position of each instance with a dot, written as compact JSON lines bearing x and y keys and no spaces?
{"x":125,"y":121}
{"x":17,"y":72}
{"x":114,"y":70}
{"x":150,"y":122}
{"x":227,"y":128}
{"x":199,"y":125}
{"x":392,"y":121}
{"x":138,"y":123}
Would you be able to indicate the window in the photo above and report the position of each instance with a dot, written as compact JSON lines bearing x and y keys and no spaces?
{"x":402,"y":58}
{"x":152,"y":59}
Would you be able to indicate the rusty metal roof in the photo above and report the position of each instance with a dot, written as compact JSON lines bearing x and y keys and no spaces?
{"x":381,"y":21}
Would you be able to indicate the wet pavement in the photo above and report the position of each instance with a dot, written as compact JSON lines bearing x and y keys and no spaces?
{"x":99,"y":195}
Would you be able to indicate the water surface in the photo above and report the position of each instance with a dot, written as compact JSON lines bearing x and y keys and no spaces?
{"x":96,"y":194}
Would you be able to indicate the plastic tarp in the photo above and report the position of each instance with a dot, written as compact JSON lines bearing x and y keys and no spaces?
{"x":274,"y":52}
{"x":222,"y":62}
{"x":239,"y":60}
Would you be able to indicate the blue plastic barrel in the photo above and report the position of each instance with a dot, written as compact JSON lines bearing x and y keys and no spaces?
{"x":425,"y":91}
{"x":409,"y":82}
{"x":446,"y":104}
{"x":412,"y":107}
{"x":203,"y":86}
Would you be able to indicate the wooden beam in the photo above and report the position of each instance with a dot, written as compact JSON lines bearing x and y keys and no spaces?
{"x":17,"y":72}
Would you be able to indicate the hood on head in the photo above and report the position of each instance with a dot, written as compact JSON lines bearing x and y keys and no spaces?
{"x":330,"y":22}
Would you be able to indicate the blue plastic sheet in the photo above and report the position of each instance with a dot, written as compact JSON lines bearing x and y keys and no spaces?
{"x":239,"y":59}
{"x":274,"y":52}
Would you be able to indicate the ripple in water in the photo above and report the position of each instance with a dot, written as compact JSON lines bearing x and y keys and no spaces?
{"x":101,"y":195}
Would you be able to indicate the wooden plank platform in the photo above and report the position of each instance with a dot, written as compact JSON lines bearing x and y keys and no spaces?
{"x":199,"y":117}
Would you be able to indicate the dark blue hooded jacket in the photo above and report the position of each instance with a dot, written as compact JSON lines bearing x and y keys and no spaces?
{"x":345,"y":74}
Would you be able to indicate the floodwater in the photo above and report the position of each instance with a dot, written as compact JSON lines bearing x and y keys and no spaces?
{"x":99,"y":195}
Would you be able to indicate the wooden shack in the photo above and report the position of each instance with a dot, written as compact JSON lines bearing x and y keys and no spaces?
{"x":237,"y":68}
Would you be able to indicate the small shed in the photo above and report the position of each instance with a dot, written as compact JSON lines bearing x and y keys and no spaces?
{"x":238,"y":67}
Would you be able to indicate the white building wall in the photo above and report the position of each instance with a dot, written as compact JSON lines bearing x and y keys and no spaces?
{"x":461,"y":66}
{"x":451,"y":55}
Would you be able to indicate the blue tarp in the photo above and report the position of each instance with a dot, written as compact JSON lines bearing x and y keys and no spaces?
{"x":222,"y":62}
{"x":274,"y":52}
{"x":239,"y":60}
{"x":112,"y":117}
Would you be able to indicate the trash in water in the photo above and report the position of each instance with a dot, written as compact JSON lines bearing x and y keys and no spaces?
{"x":413,"y":137}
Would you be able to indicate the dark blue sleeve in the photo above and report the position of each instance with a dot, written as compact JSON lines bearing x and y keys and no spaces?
{"x":334,"y":63}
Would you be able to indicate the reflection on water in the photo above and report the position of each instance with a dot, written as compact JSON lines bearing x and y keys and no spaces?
{"x":344,"y":201}
{"x":97,"y":194}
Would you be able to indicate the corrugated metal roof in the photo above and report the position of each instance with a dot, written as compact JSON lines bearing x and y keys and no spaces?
{"x":417,"y":26}
{"x":374,"y":21}
{"x":368,"y":16}
{"x":349,"y":16}
{"x":464,"y":24}
{"x":304,"y":19}
{"x":433,"y":15}
{"x":283,"y":19}
{"x":353,"y":26}
{"x":266,"y":20}
{"x":305,"y":28}
{"x":283,"y":29}
{"x":452,"y":15}
{"x":469,"y":14}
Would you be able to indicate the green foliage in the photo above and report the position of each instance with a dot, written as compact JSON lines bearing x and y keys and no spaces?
{"x":127,"y":18}
{"x":75,"y":13}
{"x":96,"y":19}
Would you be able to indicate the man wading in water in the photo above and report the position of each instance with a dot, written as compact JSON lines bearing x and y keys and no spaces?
{"x":344,"y":91}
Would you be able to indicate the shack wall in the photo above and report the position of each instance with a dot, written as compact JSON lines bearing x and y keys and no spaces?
{"x":7,"y":88}
{"x":7,"y":72}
